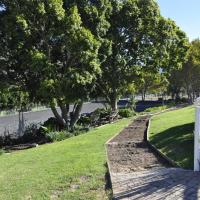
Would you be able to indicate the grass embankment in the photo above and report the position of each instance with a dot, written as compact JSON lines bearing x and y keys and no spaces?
{"x":172,"y":134}
{"x":72,"y":169}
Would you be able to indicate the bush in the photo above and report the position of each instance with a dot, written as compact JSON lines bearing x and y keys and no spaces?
{"x":102,"y":112}
{"x":2,"y":151}
{"x":31,"y":134}
{"x":156,"y":109}
{"x":84,"y":120}
{"x":95,"y":118}
{"x":5,"y":141}
{"x":125,"y":113}
{"x":53,"y":124}
{"x":58,"y":136}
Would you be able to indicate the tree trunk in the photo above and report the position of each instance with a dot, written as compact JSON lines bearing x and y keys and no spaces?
{"x":64,"y":112}
{"x":189,"y":97}
{"x":75,"y":115}
{"x":163,"y":100}
{"x":144,"y":94}
{"x":57,"y":115}
{"x":113,"y":104}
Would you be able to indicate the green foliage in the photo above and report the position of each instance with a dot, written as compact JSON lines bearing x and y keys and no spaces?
{"x":32,"y":134}
{"x":58,"y":135}
{"x":60,"y":52}
{"x":13,"y":98}
{"x":50,"y":52}
{"x":31,"y":131}
{"x":51,"y":125}
{"x":102,"y":112}
{"x":97,"y":117}
{"x":84,"y":120}
{"x":156,"y":109}
{"x":187,"y":79}
{"x":152,"y":83}
{"x":1,"y":152}
{"x":141,"y":41}
{"x":126,"y":113}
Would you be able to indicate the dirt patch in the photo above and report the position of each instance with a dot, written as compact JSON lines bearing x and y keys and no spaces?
{"x":56,"y":194}
{"x":84,"y":179}
{"x":129,"y":151}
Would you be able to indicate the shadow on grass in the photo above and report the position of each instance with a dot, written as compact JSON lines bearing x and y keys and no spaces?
{"x":177,"y":143}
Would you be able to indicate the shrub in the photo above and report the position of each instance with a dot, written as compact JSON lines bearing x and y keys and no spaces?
{"x":6,"y":140}
{"x":52,"y":124}
{"x":125,"y":113}
{"x":102,"y":112}
{"x":58,"y":135}
{"x":155,"y":109}
{"x":2,"y":151}
{"x":31,"y":134}
{"x":84,"y":120}
{"x":97,"y":117}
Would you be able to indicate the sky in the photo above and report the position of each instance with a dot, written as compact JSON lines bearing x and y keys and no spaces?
{"x":186,"y":14}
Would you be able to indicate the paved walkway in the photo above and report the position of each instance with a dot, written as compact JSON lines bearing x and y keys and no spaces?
{"x":144,"y":175}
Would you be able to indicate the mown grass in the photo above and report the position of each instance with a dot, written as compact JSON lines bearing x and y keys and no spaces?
{"x":73,"y":169}
{"x":172,"y":134}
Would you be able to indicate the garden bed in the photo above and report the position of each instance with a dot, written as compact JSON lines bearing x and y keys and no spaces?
{"x":129,"y":151}
{"x":20,"y":147}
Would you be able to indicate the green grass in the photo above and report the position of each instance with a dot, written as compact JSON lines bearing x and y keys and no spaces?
{"x":72,"y":169}
{"x":172,"y":134}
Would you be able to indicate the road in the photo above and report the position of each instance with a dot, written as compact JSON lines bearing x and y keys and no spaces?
{"x":9,"y":124}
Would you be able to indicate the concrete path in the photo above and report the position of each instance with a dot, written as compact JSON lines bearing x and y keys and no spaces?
{"x":146,"y":181}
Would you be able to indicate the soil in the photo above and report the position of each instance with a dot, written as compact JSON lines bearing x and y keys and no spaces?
{"x":129,"y":152}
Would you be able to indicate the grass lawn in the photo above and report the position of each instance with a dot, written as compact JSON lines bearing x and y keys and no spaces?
{"x":72,"y":169}
{"x":172,"y":134}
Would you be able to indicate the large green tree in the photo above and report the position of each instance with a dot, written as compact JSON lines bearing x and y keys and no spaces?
{"x":142,"y":40}
{"x":187,"y":79}
{"x":50,"y":53}
{"x":152,"y":83}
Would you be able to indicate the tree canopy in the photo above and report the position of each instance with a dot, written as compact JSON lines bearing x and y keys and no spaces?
{"x":62,"y":51}
{"x":142,"y":42}
{"x":187,"y":79}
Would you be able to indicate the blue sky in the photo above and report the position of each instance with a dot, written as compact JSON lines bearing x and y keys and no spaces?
{"x":186,"y":13}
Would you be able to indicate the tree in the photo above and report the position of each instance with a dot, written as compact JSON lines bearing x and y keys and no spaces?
{"x":153,"y":83}
{"x":187,"y":79}
{"x":142,"y":40}
{"x":50,"y":54}
{"x":175,"y":84}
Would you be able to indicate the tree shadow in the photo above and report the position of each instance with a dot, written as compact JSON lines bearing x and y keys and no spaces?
{"x":177,"y":143}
